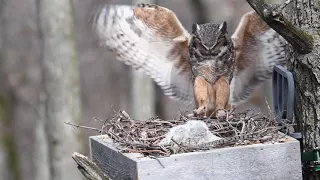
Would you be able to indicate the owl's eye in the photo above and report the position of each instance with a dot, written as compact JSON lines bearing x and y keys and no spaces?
{"x":199,"y":45}
{"x":197,"y":42}
{"x":221,"y":41}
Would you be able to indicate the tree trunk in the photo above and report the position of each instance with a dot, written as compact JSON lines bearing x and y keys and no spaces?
{"x":41,"y":146}
{"x":143,"y":89}
{"x":306,"y":71}
{"x":61,"y":86}
{"x":9,"y":164}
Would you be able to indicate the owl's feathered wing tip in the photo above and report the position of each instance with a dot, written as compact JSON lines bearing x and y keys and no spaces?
{"x":144,"y":40}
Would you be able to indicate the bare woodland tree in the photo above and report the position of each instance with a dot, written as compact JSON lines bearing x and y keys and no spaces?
{"x":143,"y":89}
{"x":306,"y":68}
{"x":41,"y":146}
{"x":305,"y":14}
{"x":61,"y":98}
{"x":8,"y":155}
{"x":3,"y":105}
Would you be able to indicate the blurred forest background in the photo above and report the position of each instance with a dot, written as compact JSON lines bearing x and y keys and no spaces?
{"x":39,"y":66}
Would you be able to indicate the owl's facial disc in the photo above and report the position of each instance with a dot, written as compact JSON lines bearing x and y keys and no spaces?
{"x":209,"y":35}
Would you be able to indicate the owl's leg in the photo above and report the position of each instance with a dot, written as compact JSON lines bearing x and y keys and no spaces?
{"x":200,"y":95}
{"x":222,"y":97}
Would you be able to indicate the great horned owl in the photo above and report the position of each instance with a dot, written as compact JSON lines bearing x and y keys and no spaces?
{"x":211,"y":57}
{"x":211,"y":52}
{"x":206,"y":65}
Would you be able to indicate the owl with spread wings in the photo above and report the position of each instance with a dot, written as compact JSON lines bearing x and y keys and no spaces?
{"x":207,"y":66}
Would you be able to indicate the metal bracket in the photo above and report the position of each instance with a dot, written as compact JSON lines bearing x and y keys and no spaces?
{"x":283,"y":96}
{"x":283,"y":93}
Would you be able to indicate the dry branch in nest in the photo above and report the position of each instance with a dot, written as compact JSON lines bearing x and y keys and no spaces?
{"x":145,"y":136}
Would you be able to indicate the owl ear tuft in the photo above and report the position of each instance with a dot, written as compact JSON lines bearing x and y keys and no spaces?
{"x":223,"y":27}
{"x":195,"y":28}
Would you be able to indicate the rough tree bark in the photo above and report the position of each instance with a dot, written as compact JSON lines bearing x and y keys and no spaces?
{"x":306,"y":70}
{"x":61,"y":86}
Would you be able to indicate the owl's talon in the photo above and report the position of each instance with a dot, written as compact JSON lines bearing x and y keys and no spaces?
{"x":221,"y":113}
{"x":200,"y":111}
{"x":195,"y":113}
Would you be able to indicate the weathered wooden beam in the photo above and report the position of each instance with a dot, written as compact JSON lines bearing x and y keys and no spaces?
{"x":272,"y":15}
{"x":88,"y":168}
{"x":251,"y":162}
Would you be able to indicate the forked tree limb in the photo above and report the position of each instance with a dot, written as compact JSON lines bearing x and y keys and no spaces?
{"x":272,"y":15}
{"x":88,"y":168}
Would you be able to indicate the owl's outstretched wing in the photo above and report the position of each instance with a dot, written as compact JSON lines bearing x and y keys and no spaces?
{"x":149,"y":38}
{"x":258,"y":49}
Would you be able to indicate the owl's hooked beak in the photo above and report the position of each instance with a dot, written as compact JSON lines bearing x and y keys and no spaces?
{"x":223,"y":27}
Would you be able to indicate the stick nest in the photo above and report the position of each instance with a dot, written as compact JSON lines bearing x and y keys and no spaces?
{"x":143,"y":136}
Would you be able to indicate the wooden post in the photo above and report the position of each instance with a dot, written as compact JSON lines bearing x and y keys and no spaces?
{"x":143,"y":91}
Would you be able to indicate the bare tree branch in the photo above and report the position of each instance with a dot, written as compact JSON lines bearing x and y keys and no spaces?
{"x":272,"y":15}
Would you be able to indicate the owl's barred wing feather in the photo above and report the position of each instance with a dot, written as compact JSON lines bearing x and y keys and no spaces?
{"x":258,"y":49}
{"x":149,"y":38}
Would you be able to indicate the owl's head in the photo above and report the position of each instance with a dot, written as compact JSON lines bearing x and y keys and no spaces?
{"x":209,"y":38}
